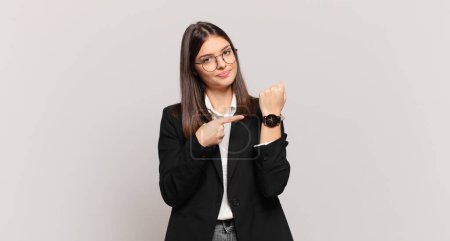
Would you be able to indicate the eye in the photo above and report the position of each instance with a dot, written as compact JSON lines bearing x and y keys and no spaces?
{"x":206,"y":60}
{"x":227,"y":52}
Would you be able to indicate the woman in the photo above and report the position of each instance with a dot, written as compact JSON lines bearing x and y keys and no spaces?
{"x":221,"y":138}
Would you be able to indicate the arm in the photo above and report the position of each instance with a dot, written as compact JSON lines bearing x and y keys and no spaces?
{"x":272,"y":167}
{"x":180,"y":165}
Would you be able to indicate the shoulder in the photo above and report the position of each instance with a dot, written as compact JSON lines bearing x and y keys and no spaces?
{"x":172,"y":111}
{"x":169,"y":121}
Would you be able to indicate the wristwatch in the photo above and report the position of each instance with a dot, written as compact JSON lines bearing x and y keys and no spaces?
{"x":272,"y":120}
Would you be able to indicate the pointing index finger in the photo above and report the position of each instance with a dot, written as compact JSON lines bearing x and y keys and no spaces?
{"x":228,"y":119}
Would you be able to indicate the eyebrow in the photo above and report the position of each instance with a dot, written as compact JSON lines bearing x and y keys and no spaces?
{"x":212,"y":54}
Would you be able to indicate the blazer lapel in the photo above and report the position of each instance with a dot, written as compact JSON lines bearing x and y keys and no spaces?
{"x":239,"y":141}
{"x":217,"y":161}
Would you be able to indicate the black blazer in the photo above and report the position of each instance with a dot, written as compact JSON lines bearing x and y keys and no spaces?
{"x":190,"y":181}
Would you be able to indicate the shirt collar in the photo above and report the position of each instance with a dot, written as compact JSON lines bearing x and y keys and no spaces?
{"x":231,"y":111}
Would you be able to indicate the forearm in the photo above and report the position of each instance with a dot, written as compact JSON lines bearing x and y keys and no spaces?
{"x":180,"y":165}
{"x":180,"y":171}
{"x":272,"y":166}
{"x":269,"y":133}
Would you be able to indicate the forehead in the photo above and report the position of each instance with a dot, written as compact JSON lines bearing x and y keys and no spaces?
{"x":213,"y":44}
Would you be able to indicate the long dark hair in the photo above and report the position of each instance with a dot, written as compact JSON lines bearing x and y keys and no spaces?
{"x":193,"y":109}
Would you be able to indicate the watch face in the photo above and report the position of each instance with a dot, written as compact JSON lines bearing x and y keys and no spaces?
{"x":271,"y":120}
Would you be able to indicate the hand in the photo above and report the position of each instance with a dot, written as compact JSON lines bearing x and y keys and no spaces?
{"x":272,"y":100}
{"x":212,"y":133}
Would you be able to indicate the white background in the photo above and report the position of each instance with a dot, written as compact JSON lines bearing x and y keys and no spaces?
{"x":83,"y":85}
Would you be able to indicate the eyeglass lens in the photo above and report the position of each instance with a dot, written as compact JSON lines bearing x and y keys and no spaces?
{"x":210,"y":63}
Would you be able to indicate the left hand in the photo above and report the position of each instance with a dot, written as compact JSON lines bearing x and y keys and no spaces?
{"x":272,"y":100}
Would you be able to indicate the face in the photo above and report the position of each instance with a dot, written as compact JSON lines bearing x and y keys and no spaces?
{"x":225,"y":73}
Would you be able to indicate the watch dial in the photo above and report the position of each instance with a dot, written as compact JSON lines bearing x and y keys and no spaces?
{"x":271,"y":120}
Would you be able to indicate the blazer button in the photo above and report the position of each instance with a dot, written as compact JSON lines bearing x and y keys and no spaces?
{"x":235,"y":202}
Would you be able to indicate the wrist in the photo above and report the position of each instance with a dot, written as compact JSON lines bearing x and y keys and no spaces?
{"x":278,"y":113}
{"x":200,"y":140}
{"x":269,"y":133}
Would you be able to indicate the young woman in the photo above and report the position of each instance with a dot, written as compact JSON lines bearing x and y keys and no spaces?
{"x":222,"y":151}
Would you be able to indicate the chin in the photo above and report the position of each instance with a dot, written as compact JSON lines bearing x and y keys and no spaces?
{"x":225,"y":83}
{"x":230,"y":79}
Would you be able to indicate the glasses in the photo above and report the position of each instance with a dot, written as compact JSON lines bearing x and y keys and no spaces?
{"x":209,"y":63}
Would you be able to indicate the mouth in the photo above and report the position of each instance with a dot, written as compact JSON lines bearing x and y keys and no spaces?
{"x":224,"y":74}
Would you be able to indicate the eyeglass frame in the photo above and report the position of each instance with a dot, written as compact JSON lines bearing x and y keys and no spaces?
{"x":217,"y":63}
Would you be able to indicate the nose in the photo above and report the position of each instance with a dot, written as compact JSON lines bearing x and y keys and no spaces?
{"x":221,"y":64}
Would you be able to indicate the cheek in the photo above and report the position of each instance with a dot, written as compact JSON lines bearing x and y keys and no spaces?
{"x":202,"y":72}
{"x":235,"y":68}
{"x":198,"y":69}
{"x":207,"y":77}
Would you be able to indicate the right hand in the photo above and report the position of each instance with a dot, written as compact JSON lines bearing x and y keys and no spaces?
{"x":212,"y":133}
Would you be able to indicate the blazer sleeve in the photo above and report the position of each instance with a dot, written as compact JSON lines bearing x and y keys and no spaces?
{"x":265,"y":143}
{"x":272,"y":166}
{"x":180,"y":164}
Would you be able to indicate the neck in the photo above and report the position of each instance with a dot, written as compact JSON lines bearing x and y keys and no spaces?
{"x":220,"y":99}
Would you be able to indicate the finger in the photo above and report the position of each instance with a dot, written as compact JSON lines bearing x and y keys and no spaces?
{"x":229,"y":119}
{"x":281,"y":84}
{"x":274,"y":86}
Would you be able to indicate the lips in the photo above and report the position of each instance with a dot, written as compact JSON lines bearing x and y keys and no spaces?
{"x":223,"y":74}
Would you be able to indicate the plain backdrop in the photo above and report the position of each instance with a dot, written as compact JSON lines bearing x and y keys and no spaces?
{"x":83,"y":84}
